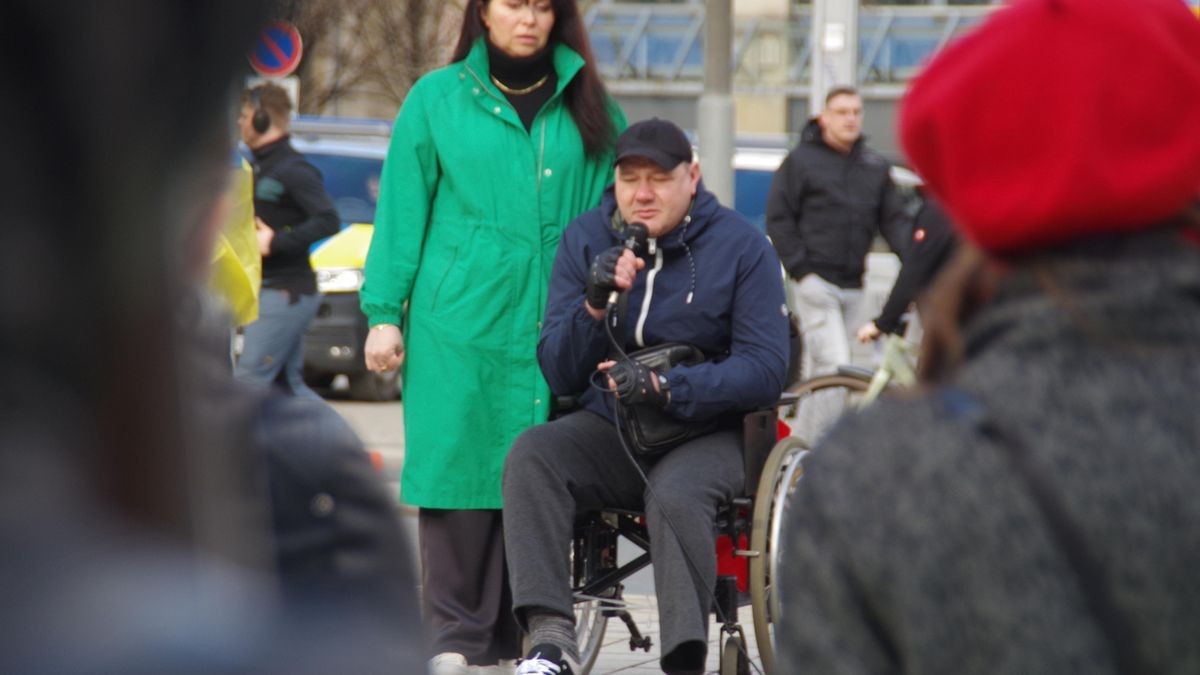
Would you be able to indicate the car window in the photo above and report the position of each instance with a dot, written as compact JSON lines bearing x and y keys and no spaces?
{"x":750,"y":187}
{"x":352,"y":183}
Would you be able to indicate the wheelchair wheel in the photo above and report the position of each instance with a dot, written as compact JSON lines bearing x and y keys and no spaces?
{"x":780,"y":475}
{"x":593,"y":552}
{"x":590,"y":624}
{"x":733,"y":657}
{"x":821,"y":401}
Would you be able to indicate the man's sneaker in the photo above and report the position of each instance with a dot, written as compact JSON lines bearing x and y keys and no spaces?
{"x":544,"y":660}
{"x":448,"y":663}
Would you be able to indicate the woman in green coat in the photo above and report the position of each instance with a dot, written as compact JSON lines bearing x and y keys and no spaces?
{"x":491,"y":157}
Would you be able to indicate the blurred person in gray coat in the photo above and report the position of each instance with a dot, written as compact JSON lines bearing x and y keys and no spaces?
{"x":1033,"y":508}
{"x":136,"y":488}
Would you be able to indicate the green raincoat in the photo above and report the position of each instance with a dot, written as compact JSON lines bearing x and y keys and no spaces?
{"x":470,"y":213}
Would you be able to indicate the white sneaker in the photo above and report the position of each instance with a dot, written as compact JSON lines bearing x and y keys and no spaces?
{"x":448,"y":663}
{"x":543,"y":660}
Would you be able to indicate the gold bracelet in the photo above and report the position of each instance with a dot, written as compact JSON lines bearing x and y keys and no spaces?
{"x":384,"y":325}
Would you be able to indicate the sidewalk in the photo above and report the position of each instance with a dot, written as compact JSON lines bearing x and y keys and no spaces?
{"x":615,"y":656}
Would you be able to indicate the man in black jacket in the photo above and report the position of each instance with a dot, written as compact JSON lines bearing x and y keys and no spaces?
{"x":292,"y":211}
{"x":828,"y":200}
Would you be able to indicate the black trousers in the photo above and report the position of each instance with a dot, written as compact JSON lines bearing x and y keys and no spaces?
{"x":464,"y":580}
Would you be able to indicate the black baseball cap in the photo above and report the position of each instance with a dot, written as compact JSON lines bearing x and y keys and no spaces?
{"x":657,"y":140}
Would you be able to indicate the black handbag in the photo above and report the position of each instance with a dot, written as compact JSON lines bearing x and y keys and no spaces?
{"x":651,"y":430}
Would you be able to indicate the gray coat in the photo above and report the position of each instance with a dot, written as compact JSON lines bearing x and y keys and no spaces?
{"x":912,"y":546}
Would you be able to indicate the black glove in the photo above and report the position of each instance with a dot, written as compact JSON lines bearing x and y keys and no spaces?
{"x":601,"y":277}
{"x":635,"y":384}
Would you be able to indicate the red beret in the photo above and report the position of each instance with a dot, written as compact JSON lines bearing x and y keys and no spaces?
{"x":1061,"y":118}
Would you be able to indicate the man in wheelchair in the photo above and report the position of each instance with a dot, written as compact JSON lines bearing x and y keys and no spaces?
{"x":711,"y":280}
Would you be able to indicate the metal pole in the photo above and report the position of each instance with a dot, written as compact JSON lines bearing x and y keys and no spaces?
{"x":715,"y":107}
{"x":835,"y":48}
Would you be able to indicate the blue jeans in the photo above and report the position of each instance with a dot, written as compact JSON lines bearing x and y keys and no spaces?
{"x":273,"y":346}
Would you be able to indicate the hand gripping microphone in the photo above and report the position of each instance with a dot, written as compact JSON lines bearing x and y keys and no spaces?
{"x":636,"y":241}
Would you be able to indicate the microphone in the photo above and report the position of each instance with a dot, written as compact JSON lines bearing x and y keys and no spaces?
{"x":636,"y":241}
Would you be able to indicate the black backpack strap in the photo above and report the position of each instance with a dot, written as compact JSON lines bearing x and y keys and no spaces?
{"x":1118,"y":630}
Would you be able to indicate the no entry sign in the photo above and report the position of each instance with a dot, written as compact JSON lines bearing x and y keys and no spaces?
{"x":278,"y":50}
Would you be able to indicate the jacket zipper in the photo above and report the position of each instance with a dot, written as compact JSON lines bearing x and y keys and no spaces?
{"x":641,"y":324}
{"x":541,"y":150}
{"x":542,"y":136}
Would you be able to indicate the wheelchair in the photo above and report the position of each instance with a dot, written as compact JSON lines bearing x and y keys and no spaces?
{"x":747,"y":551}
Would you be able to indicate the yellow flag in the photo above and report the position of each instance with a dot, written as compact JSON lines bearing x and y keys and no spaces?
{"x":237,"y":265}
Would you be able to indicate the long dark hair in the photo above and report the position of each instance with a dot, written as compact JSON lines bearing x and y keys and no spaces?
{"x":962,"y":286}
{"x":586,"y":97}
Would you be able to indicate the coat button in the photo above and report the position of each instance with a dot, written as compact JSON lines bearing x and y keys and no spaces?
{"x":537,"y":401}
{"x":462,"y":76}
{"x":475,"y":91}
{"x":322,"y":505}
{"x":496,"y":110}
{"x":548,"y":173}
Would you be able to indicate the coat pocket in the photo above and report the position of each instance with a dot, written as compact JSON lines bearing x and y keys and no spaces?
{"x":441,"y":282}
{"x":479,"y":292}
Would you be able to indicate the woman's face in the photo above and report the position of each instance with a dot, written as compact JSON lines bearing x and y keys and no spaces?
{"x":519,"y":27}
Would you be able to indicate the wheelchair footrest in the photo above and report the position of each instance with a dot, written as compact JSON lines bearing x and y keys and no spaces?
{"x":636,"y":639}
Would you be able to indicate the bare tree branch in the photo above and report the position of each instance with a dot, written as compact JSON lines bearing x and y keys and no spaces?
{"x":371,"y":48}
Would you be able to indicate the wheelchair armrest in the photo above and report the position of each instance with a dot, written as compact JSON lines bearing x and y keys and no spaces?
{"x":758,"y":437}
{"x":852,"y":371}
{"x":561,"y":405}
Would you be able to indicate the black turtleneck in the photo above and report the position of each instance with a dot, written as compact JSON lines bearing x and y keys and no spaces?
{"x":520,"y":72}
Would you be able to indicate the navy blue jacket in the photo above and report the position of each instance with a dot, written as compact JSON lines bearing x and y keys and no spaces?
{"x":736,"y":313}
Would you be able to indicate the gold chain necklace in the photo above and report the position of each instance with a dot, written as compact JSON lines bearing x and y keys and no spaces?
{"x":519,"y":92}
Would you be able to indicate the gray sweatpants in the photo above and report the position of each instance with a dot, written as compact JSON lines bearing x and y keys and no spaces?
{"x":829,"y":320}
{"x":576,"y":463}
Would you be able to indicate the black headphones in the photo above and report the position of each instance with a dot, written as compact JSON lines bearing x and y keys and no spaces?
{"x":261,"y":120}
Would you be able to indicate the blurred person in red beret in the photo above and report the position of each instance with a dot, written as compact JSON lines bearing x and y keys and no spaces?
{"x":1032,"y":509}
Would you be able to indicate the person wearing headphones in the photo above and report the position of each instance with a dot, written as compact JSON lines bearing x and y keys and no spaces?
{"x":292,"y":211}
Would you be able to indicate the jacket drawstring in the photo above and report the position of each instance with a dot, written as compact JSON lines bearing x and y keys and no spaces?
{"x":688,"y":250}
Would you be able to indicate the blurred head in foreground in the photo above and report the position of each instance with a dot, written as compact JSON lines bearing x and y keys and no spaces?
{"x":1059,"y":121}
{"x":134,"y":539}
